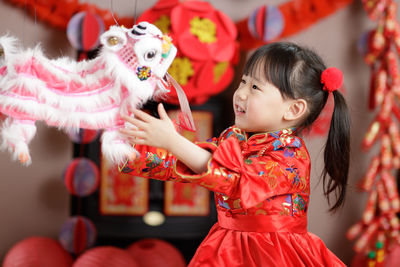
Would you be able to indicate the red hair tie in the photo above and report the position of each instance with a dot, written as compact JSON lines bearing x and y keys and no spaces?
{"x":332,"y":79}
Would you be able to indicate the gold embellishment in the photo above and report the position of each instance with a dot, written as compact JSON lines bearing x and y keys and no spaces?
{"x":163,"y":23}
{"x":204,"y":29}
{"x":195,"y":176}
{"x":236,"y":204}
{"x":181,"y":70}
{"x":219,"y":70}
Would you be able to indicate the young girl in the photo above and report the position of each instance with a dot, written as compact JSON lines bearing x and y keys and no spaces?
{"x":259,"y":168}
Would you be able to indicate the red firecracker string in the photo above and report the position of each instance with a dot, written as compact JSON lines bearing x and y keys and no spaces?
{"x":377,"y":233}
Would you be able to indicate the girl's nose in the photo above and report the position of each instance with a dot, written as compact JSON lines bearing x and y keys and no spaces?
{"x":241,"y":94}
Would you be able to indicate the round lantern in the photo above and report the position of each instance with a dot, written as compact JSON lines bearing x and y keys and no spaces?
{"x":83,"y":136}
{"x":84,"y":30}
{"x":266,"y":23}
{"x":106,"y":256}
{"x":155,"y":252}
{"x":77,"y":234}
{"x":81,"y":177}
{"x":37,"y":251}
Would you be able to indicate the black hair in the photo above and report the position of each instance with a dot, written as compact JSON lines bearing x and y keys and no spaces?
{"x":296,"y":72}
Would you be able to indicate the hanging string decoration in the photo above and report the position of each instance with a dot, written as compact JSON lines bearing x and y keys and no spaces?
{"x":377,"y":233}
{"x":269,"y":23}
{"x":206,"y":42}
{"x":84,"y":31}
{"x":77,"y":234}
{"x":81,"y":177}
{"x":83,"y":136}
{"x":87,"y":94}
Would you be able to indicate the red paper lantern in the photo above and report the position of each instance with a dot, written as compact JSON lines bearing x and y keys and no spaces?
{"x":156,"y":252}
{"x":37,"y":251}
{"x":106,"y":256}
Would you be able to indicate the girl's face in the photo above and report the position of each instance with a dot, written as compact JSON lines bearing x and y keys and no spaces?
{"x":259,"y":105}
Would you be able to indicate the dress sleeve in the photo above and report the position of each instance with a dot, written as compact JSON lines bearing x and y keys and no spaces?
{"x":252,"y":180}
{"x":153,"y":163}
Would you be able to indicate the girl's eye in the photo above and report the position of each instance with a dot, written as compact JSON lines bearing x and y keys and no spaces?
{"x":255,"y":87}
{"x":243,"y":81}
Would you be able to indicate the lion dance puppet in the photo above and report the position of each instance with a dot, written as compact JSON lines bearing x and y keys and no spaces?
{"x":131,"y":69}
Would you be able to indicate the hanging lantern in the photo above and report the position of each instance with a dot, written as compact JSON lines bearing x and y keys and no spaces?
{"x":84,"y":30}
{"x":106,"y":256}
{"x":81,"y":177}
{"x":266,"y":23}
{"x":152,"y":252}
{"x":37,"y":251}
{"x":77,"y":234}
{"x":83,"y":136}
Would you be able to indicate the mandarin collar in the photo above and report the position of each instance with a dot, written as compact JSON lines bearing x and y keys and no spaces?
{"x":274,"y":140}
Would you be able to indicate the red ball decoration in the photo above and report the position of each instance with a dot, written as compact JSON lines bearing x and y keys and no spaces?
{"x":37,"y":251}
{"x":155,"y":252}
{"x":77,"y":234}
{"x":81,"y":177}
{"x":84,"y":30}
{"x":83,"y":136}
{"x":332,"y":78}
{"x":106,"y":256}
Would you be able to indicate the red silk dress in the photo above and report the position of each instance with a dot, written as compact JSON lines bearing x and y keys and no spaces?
{"x":262,"y":187}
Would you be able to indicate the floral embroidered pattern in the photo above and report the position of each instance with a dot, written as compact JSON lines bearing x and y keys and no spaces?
{"x":300,"y":205}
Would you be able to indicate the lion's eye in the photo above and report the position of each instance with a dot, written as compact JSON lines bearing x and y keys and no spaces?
{"x":149,"y":55}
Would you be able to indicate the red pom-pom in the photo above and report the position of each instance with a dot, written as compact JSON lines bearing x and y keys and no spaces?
{"x":332,"y":79}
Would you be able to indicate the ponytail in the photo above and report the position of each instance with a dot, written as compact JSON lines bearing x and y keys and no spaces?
{"x":337,"y":153}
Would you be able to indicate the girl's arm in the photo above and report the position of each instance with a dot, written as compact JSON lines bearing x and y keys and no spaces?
{"x":147,"y":130}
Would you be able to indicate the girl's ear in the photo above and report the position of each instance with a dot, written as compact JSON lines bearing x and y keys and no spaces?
{"x":296,"y":110}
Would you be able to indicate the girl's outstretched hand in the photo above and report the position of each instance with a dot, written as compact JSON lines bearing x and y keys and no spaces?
{"x":148,"y":130}
{"x":144,"y":129}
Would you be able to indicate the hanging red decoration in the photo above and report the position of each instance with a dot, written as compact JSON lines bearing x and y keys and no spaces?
{"x":267,"y":24}
{"x":377,"y":233}
{"x":37,"y":251}
{"x":77,"y":234}
{"x":84,"y":30}
{"x":81,"y":177}
{"x":83,"y":136}
{"x":205,"y":38}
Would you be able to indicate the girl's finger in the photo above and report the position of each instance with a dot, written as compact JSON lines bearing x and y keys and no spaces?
{"x":142,"y":115}
{"x":161,"y":111}
{"x":135,"y":122}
